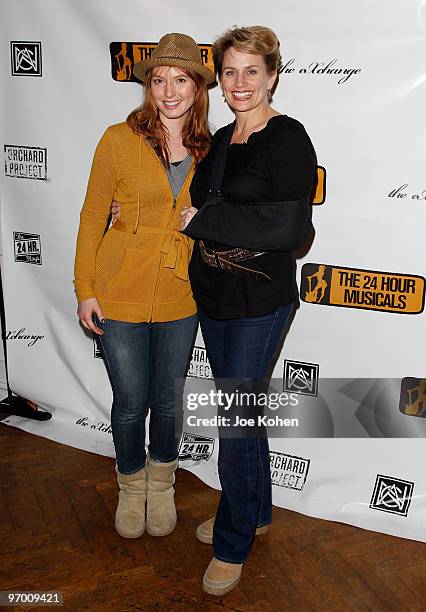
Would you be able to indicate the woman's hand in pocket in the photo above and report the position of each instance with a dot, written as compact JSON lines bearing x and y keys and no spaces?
{"x":86,"y":310}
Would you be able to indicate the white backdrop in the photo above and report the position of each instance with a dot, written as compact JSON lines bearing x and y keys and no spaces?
{"x":367,"y":125}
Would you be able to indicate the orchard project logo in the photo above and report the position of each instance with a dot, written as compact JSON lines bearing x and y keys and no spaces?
{"x":366,"y":289}
{"x":392,"y":495}
{"x":27,"y":248}
{"x":199,"y":366}
{"x":25,"y":58}
{"x":288,"y":470}
{"x":124,"y":55}
{"x":25,"y":162}
{"x":413,"y":397}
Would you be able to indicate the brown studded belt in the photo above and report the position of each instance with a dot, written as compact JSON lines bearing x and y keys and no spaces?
{"x":227,"y":260}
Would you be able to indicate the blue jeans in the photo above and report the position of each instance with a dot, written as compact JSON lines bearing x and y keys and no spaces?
{"x":143,"y":362}
{"x":242,"y":348}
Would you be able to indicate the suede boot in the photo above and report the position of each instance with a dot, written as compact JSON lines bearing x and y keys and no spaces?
{"x":130,"y":513}
{"x":205,"y":531}
{"x":160,"y":509}
{"x":221,"y":577}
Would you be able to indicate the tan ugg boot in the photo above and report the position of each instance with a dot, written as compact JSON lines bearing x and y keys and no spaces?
{"x":130,"y":513}
{"x":205,"y":531}
{"x":160,"y":507}
{"x":221,"y":577}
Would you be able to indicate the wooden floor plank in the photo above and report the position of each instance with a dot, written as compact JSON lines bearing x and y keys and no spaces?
{"x":57,"y":508}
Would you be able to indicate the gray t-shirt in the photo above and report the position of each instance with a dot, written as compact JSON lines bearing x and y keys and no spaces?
{"x":177,"y":172}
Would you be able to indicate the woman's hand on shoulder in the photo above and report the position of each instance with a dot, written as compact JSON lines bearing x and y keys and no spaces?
{"x":185,"y":217}
{"x":86,"y":310}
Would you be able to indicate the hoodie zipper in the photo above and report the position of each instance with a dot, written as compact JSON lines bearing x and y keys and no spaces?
{"x":174,"y":203}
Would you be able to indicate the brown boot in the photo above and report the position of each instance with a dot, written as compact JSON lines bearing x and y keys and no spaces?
{"x":130,"y":513}
{"x":160,"y":509}
{"x":205,"y":531}
{"x":221,"y":577}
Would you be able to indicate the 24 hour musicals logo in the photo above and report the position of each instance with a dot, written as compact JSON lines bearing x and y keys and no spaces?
{"x":387,"y":408}
{"x":413,"y":397}
{"x":27,"y":248}
{"x":124,"y":55}
{"x":329,"y":68}
{"x":366,"y":289}
{"x":194,"y":447}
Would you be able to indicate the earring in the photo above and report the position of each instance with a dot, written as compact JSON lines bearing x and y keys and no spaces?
{"x":268,"y":91}
{"x":223,"y":96}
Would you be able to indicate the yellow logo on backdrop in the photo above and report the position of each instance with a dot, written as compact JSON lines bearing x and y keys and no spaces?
{"x":367,"y":289}
{"x":317,"y":285}
{"x":123,"y":64}
{"x":124,"y":55}
{"x":318,"y":196}
{"x":413,"y":397}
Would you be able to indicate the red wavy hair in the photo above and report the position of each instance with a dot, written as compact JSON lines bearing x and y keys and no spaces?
{"x":196,"y":136}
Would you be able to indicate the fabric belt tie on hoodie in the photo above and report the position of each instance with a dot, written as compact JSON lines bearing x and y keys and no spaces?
{"x":176,"y":246}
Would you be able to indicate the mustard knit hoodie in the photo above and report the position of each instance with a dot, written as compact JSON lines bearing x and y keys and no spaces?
{"x":138,"y":270}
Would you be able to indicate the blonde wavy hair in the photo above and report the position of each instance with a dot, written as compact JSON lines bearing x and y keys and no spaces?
{"x":258,"y":40}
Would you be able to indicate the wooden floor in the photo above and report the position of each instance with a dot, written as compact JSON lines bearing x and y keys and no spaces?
{"x":57,"y":533}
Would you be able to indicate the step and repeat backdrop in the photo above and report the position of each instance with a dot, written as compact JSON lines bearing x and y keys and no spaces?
{"x":354,"y":75}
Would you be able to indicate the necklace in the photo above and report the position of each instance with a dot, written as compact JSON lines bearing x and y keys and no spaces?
{"x":245,"y":135}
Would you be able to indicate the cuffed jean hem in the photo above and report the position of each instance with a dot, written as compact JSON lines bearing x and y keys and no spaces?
{"x":157,"y":460}
{"x":132,"y":472}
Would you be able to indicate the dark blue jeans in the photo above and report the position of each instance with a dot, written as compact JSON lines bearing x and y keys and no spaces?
{"x":240,"y":349}
{"x":143,"y":362}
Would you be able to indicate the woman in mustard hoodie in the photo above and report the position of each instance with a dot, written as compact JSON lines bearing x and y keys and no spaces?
{"x":132,"y":281}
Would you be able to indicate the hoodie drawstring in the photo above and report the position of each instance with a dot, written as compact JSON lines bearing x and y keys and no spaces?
{"x":139,"y":185}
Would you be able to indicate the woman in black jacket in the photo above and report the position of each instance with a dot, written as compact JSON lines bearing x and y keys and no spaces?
{"x":251,"y":210}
